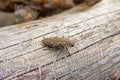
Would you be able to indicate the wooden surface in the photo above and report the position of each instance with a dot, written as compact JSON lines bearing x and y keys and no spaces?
{"x":96,"y":55}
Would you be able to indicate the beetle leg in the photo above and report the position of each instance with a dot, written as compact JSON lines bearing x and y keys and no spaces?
{"x":67,"y":50}
{"x":53,"y":66}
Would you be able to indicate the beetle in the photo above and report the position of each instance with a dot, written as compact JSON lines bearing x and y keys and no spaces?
{"x":57,"y":43}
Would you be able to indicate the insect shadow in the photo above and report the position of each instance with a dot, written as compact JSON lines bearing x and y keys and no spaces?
{"x":60,"y":46}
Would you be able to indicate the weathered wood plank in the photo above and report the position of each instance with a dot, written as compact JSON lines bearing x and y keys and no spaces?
{"x":96,"y":32}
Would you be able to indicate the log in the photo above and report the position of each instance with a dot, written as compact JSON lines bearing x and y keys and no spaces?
{"x":95,"y":56}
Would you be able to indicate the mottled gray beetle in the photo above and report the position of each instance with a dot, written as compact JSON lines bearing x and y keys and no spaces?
{"x":57,"y":43}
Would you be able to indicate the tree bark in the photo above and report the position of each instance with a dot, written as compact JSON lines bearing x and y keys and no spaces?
{"x":96,"y":55}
